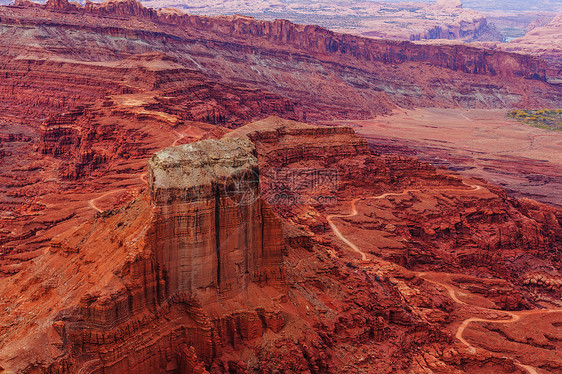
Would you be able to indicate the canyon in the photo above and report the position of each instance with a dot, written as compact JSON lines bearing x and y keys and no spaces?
{"x":542,"y":41}
{"x":522,"y":159}
{"x":194,"y":194}
{"x":195,"y":279}
{"x":90,"y":93}
{"x":275,"y":57}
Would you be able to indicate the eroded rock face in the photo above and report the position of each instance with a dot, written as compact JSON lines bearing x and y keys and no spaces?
{"x":161,"y":93}
{"x":192,"y":267}
{"x":212,"y":230}
{"x":542,"y":41}
{"x":143,"y":288}
{"x":344,"y":75}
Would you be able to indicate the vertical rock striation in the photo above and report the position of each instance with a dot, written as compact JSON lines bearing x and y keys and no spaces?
{"x":187,"y":279}
{"x":181,"y":274}
{"x":213,"y":235}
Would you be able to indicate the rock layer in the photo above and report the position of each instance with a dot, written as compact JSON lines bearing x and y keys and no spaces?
{"x":142,"y":288}
{"x":186,"y":267}
{"x":346,"y":76}
{"x":542,"y":41}
{"x":213,"y":231}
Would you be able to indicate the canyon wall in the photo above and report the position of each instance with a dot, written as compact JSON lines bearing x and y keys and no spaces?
{"x":344,"y":76}
{"x":315,"y":39}
{"x":476,"y":29}
{"x":213,"y":231}
{"x":182,"y":274}
{"x":402,"y":21}
{"x":542,"y":41}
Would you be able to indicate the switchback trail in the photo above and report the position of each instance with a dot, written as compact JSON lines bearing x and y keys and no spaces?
{"x":384,"y":195}
{"x":179,"y":137}
{"x":515,"y":316}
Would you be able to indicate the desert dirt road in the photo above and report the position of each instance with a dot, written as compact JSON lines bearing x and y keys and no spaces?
{"x":142,"y":176}
{"x":92,"y":203}
{"x":354,"y":212}
{"x":514,"y":316}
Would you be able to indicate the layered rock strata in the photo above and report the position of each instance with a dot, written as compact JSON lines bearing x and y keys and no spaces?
{"x":542,"y":41}
{"x":213,"y":232}
{"x":346,"y":76}
{"x":175,"y":278}
{"x":189,"y":277}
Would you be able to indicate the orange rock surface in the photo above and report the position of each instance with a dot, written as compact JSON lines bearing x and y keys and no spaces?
{"x":271,"y":247}
{"x":82,"y":113}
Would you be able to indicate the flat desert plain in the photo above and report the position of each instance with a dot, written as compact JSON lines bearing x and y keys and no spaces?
{"x":526,"y":161}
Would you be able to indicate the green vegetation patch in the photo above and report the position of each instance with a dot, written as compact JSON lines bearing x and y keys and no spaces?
{"x":550,"y":119}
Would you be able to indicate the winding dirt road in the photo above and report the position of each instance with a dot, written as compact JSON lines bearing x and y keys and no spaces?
{"x":384,"y":195}
{"x":340,"y":235}
{"x":142,"y":176}
{"x":92,"y":202}
{"x":179,"y":137}
{"x":515,"y":316}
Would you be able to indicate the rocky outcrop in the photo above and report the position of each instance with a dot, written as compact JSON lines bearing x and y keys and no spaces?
{"x":171,"y":260}
{"x":302,"y":164}
{"x":542,"y":41}
{"x":477,"y":30}
{"x":281,"y":143}
{"x":95,"y":136}
{"x":213,"y":232}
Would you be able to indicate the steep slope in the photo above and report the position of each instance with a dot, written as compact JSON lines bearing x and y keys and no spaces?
{"x":161,"y":284}
{"x":543,"y":41}
{"x":89,"y":93}
{"x":403,"y":21}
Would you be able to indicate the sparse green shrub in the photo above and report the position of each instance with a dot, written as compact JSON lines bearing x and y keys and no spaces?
{"x":550,"y":119}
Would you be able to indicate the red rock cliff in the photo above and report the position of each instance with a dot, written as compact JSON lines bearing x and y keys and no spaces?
{"x":213,"y":232}
{"x":180,"y":276}
{"x":189,"y":279}
{"x":319,"y":73}
{"x":315,"y":39}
